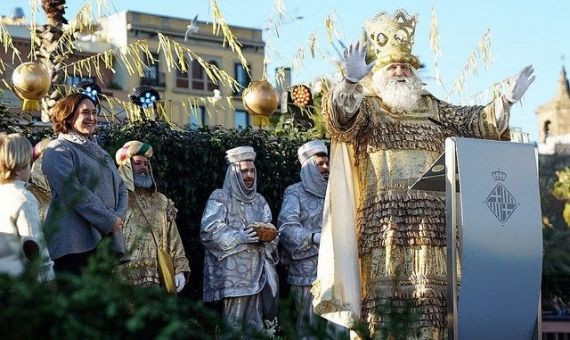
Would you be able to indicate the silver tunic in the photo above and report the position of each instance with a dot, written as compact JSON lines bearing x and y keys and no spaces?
{"x":301,"y":216}
{"x":233,"y":268}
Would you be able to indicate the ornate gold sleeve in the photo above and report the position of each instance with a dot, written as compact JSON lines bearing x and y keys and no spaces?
{"x":171,"y":210}
{"x":487,"y":122}
{"x":176,"y":249}
{"x":343,"y":111}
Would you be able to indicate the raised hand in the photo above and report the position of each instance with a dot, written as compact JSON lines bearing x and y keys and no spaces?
{"x":355,"y":63}
{"x":520,"y":84}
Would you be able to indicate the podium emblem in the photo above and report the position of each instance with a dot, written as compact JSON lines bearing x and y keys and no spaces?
{"x":500,"y":201}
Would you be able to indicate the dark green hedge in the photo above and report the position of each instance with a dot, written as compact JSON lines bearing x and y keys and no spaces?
{"x":189,"y":165}
{"x":96,"y":305}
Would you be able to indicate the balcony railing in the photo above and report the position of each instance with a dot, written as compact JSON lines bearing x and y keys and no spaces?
{"x":154,"y":81}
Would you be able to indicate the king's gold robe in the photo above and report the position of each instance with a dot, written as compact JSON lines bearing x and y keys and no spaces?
{"x":400,"y":233}
{"x":161,"y":215}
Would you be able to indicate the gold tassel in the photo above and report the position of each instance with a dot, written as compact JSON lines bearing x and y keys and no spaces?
{"x":329,"y":25}
{"x":313,"y":43}
{"x":31,"y":105}
{"x":261,"y":121}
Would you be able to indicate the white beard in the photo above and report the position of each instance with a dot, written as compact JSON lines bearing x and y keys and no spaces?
{"x":401,"y":94}
{"x":142,"y":181}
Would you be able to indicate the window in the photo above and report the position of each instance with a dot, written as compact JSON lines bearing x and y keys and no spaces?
{"x":241,"y":77}
{"x":210,"y":83}
{"x":74,"y":80}
{"x":241,"y":120}
{"x":546,"y":129}
{"x":181,"y":79}
{"x":196,"y":78}
{"x":197,"y":117}
{"x":151,"y":74}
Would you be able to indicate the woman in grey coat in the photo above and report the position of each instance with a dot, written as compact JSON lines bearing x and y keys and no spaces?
{"x":89,"y":198}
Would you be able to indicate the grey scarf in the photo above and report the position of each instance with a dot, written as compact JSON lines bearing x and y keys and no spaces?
{"x":235,"y":185}
{"x":90,"y":146}
{"x":312,"y":179}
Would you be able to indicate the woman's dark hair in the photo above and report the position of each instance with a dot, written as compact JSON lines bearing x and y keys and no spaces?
{"x":62,"y":112}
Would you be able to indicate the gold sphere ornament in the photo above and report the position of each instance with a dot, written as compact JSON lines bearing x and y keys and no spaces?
{"x":260,"y":99}
{"x":31,"y":83}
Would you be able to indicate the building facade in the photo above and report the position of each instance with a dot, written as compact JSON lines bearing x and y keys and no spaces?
{"x":175,"y":87}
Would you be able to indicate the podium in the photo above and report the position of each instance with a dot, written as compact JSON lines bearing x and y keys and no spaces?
{"x":494,"y":237}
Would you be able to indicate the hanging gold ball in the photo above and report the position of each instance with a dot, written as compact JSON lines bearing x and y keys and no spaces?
{"x":31,"y":83}
{"x":260,"y":98}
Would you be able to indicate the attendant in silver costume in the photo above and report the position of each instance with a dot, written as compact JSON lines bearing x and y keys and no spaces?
{"x":238,"y":268}
{"x":300,"y":227}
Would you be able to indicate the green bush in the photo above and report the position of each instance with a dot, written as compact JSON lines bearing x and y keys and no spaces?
{"x":97,"y":305}
{"x":14,"y":123}
{"x":556,"y":233}
{"x":189,"y":164}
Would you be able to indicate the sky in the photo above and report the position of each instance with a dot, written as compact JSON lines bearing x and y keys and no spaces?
{"x":523,"y":32}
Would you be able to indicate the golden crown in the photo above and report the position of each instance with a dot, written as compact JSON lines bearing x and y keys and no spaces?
{"x":392,"y":38}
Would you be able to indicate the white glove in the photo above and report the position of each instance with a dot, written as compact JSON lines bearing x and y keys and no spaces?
{"x":248,"y":235}
{"x":355,"y":63}
{"x":317,"y":238}
{"x":180,"y":281}
{"x":520,"y":84}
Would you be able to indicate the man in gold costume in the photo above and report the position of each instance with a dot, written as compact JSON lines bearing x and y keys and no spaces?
{"x":388,"y":243}
{"x":150,"y":215}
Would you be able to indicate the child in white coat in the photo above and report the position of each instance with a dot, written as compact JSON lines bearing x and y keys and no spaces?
{"x":21,"y":237}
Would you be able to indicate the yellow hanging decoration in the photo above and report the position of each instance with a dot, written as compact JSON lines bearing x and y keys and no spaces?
{"x":81,"y":23}
{"x":491,"y":93}
{"x":329,"y":25}
{"x":298,"y":59}
{"x":184,"y":55}
{"x":219,"y":23}
{"x":130,"y":56}
{"x":8,"y":44}
{"x":103,"y":8}
{"x":313,"y":43}
{"x":484,"y":51}
{"x":31,"y":83}
{"x":34,"y":39}
{"x":486,"y":48}
{"x":279,"y":7}
{"x":434,"y":43}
